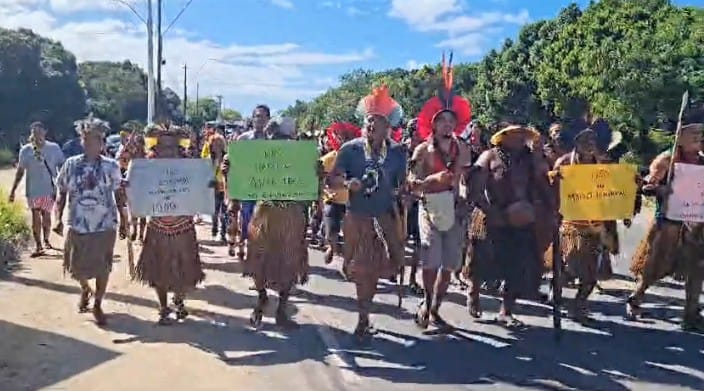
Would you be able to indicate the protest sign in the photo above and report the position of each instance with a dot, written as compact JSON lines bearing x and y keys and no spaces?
{"x":597,"y":192}
{"x":170,"y":187}
{"x":686,"y":202}
{"x":273,"y":170}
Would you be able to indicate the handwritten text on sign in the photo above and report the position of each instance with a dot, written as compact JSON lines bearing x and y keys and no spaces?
{"x":598,"y":192}
{"x":170,"y":187}
{"x":273,"y":170}
{"x":686,"y":203}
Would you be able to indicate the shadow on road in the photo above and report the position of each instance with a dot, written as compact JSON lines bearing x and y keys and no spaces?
{"x":605,"y":357}
{"x":32,"y":359}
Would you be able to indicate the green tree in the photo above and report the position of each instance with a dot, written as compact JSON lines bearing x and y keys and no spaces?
{"x":231,"y":115}
{"x":38,"y":82}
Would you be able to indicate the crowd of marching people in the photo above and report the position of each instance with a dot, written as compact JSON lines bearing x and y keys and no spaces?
{"x":481,"y":210}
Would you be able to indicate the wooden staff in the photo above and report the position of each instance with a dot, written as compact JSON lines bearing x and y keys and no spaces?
{"x":556,"y":281}
{"x":678,"y":133}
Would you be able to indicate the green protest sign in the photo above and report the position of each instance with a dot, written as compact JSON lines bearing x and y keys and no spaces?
{"x":273,"y":170}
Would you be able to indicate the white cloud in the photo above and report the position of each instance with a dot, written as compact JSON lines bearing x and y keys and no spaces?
{"x":273,"y":73}
{"x":413,"y":64}
{"x":449,"y":17}
{"x":68,"y":6}
{"x":288,"y":4}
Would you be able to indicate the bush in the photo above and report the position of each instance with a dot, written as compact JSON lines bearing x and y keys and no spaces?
{"x":7,"y":157}
{"x":14,"y":230}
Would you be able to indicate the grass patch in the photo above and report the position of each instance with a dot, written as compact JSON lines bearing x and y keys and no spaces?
{"x":14,"y":230}
{"x":7,"y":157}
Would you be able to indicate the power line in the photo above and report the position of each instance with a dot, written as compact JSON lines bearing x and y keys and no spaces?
{"x":177,"y":16}
{"x":134,"y":11}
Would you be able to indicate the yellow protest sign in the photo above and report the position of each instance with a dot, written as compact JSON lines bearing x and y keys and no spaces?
{"x":597,"y":192}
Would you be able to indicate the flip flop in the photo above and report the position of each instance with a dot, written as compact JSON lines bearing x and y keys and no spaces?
{"x":38,"y":253}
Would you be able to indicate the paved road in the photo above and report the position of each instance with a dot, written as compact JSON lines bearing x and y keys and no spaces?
{"x":46,"y":345}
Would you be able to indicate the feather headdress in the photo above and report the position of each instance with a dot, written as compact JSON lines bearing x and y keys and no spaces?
{"x":337,"y":129}
{"x":379,"y":102}
{"x":446,"y":100}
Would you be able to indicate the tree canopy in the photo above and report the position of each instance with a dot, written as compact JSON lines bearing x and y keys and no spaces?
{"x":38,"y":82}
{"x":628,"y":61}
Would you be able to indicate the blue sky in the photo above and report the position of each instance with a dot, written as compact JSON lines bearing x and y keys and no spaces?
{"x":274,"y":51}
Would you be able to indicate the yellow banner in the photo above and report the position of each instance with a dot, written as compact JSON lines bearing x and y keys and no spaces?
{"x":597,"y":192}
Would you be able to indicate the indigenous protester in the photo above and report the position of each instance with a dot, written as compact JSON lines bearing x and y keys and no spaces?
{"x":506,"y":186}
{"x":436,"y":168}
{"x":373,"y":169}
{"x":169,"y":261}
{"x":335,"y":199}
{"x":411,"y":142}
{"x":671,"y":247}
{"x":556,"y":145}
{"x":135,"y":148}
{"x":240,"y":213}
{"x":40,"y":160}
{"x":90,"y":183}
{"x":216,"y":152}
{"x":277,"y":254}
{"x":581,"y":242}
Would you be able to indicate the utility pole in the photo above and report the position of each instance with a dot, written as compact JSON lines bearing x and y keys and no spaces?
{"x":185,"y":91}
{"x":159,"y":56}
{"x":197,"y":98}
{"x":150,"y":64}
{"x":219,"y":118}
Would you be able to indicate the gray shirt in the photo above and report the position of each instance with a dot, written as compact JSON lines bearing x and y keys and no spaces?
{"x":40,"y":169}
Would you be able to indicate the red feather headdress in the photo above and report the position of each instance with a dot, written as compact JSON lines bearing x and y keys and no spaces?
{"x":445,"y":101}
{"x":336,"y":129}
{"x":396,"y":134}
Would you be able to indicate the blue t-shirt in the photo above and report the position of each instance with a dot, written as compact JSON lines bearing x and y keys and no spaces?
{"x":72,"y":148}
{"x":40,"y":169}
{"x":352,"y":163}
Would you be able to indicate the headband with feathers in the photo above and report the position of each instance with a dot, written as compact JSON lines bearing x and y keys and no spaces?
{"x":337,"y":129}
{"x":379,"y":102}
{"x":446,"y":100}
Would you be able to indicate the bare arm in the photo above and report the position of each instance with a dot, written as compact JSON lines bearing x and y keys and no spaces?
{"x":478,"y":181}
{"x":416,"y":172}
{"x":19,"y":174}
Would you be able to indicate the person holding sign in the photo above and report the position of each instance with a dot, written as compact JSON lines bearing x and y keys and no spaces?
{"x":90,"y":183}
{"x":436,"y":168}
{"x":277,"y":254}
{"x":660,"y":253}
{"x":373,"y":169}
{"x":581,"y":241}
{"x":507,"y":186}
{"x":169,"y":261}
{"x":335,"y":199}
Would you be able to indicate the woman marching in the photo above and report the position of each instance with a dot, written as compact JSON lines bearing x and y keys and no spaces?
{"x":169,"y":261}
{"x":90,"y":183}
{"x":277,"y":254}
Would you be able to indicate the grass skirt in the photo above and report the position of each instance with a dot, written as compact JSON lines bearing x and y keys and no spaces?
{"x":88,"y":256}
{"x":170,"y":259}
{"x":581,"y":250}
{"x":503,"y":254}
{"x":657,"y":254}
{"x":277,"y":254}
{"x":365,"y":252}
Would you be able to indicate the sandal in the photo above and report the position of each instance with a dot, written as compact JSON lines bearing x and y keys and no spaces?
{"x":510,"y":321}
{"x":416,"y":288}
{"x":474,"y":307}
{"x":363,"y":330}
{"x":39,"y":252}
{"x":164,"y":319}
{"x":438,"y":321}
{"x":84,"y":303}
{"x":329,"y":256}
{"x":99,"y":316}
{"x":422,"y":317}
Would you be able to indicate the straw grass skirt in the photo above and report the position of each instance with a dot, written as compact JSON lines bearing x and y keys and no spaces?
{"x":657,"y":254}
{"x":88,"y":256}
{"x":369,"y":256}
{"x":169,"y":259}
{"x":277,"y":254}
